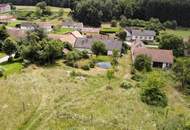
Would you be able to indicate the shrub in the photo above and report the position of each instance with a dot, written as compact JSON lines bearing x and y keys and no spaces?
{"x":85,"y":67}
{"x":92,"y":64}
{"x":136,"y":77}
{"x":84,"y":54}
{"x":113,"y":23}
{"x":2,"y":72}
{"x":126,"y":85}
{"x":142,"y":62}
{"x":154,"y":96}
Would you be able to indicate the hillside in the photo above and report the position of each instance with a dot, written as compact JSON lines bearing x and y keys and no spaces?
{"x":48,"y":98}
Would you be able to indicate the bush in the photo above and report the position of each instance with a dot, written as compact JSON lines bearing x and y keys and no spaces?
{"x":86,"y":67}
{"x":170,"y":24}
{"x":84,"y":54}
{"x":154,"y":96}
{"x":113,"y":23}
{"x":136,"y":77}
{"x":126,"y":85}
{"x":2,"y":72}
{"x":143,"y":62}
{"x":92,"y":64}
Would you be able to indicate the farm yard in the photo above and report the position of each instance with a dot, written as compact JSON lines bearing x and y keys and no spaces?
{"x":49,"y":98}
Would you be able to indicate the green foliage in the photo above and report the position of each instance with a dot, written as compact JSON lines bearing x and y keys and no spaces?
{"x":154,"y":24}
{"x":172,"y":42}
{"x":122,"y":35}
{"x":9,"y":46}
{"x":113,"y":23}
{"x":115,"y":57}
{"x":3,"y":33}
{"x":68,"y":46}
{"x":175,"y":123}
{"x":2,"y":71}
{"x":86,"y":67}
{"x":152,"y":93}
{"x":170,"y":24}
{"x":110,"y":75}
{"x":126,"y":84}
{"x":92,"y":64}
{"x":39,"y":50}
{"x":142,"y":62}
{"x":42,"y":9}
{"x":182,"y":73}
{"x":98,"y":48}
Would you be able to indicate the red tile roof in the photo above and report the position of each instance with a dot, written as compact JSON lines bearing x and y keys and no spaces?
{"x":157,"y":55}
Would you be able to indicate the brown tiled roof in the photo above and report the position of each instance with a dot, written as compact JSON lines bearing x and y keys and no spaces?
{"x":16,"y":33}
{"x":157,"y":55}
{"x":64,"y":38}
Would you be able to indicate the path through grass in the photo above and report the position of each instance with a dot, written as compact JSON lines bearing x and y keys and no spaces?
{"x":48,"y":98}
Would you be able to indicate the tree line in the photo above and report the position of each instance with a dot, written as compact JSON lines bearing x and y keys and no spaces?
{"x":93,"y":12}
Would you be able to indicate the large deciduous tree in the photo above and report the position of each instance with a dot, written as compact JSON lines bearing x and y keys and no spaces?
{"x":98,"y":48}
{"x":172,"y":42}
{"x":181,"y":70}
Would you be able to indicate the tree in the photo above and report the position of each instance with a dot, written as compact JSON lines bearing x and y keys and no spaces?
{"x":110,"y":76}
{"x":182,"y":72}
{"x":170,"y":24}
{"x":3,"y":33}
{"x":42,"y":9}
{"x":9,"y":47}
{"x":115,"y":57}
{"x":172,"y":42}
{"x":142,"y":62}
{"x":72,"y":57}
{"x":98,"y":48}
{"x":113,"y":23}
{"x":152,"y":93}
{"x":122,"y":35}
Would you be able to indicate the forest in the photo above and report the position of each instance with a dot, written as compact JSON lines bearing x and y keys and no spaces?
{"x":106,"y":10}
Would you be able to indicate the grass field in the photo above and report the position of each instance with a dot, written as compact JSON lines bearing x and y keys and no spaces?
{"x":2,"y":54}
{"x":63,"y":30}
{"x":11,"y":68}
{"x":181,"y":32}
{"x":49,"y":98}
{"x":33,"y":8}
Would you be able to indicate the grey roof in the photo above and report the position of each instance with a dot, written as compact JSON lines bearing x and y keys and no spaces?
{"x":86,"y":43}
{"x":72,"y":24}
{"x":143,"y":33}
{"x":28,"y":24}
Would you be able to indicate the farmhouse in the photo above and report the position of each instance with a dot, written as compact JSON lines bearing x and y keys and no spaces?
{"x":72,"y":25}
{"x":86,"y":44}
{"x":160,"y":58}
{"x":46,"y":26}
{"x":5,"y":8}
{"x":144,"y":35}
{"x":28,"y":26}
{"x":68,"y":37}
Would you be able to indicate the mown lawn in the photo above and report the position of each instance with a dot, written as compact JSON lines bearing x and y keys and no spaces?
{"x":11,"y":68}
{"x":2,"y":54}
{"x":50,"y":99}
{"x":33,"y":8}
{"x":63,"y":30}
{"x":181,"y":32}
